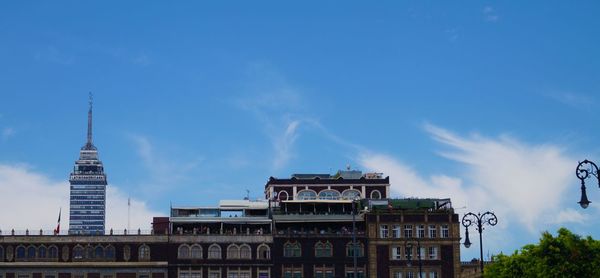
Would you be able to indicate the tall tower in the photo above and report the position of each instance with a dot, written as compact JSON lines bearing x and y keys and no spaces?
{"x":87,"y":212}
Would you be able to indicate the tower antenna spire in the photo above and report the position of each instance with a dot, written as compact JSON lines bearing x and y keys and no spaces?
{"x":89,"y":130}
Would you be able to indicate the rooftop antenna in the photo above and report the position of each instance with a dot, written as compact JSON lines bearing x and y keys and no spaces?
{"x":89,"y":131}
{"x":128,"y":212}
{"x":348,"y":167}
{"x":247,"y":194}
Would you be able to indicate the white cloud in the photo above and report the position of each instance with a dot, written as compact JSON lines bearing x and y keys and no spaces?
{"x":34,"y":201}
{"x":283,"y":144}
{"x":522,"y":183}
{"x":569,"y":215}
{"x":8,"y":132}
{"x":490,"y":14}
{"x":575,"y":100}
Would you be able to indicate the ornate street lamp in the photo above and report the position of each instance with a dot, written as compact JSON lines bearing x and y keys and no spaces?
{"x":354,"y":243}
{"x":478,"y":219}
{"x":409,"y":246}
{"x":583,"y":171}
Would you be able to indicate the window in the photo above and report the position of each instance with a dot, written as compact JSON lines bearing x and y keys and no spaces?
{"x":53,"y":252}
{"x":445,"y":233}
{"x":234,"y":273}
{"x":306,"y":195}
{"x":432,"y":231}
{"x":350,"y":249}
{"x":214,"y":274}
{"x":99,"y":252}
{"x":397,"y":274}
{"x":263,"y":252}
{"x":291,"y":272}
{"x":233,"y":252}
{"x":110,"y":252}
{"x":383,"y":231}
{"x":350,"y":274}
{"x":144,"y":253}
{"x":78,"y":252}
{"x":196,"y":251}
{"x":31,"y":252}
{"x":421,"y":253}
{"x":214,"y":252}
{"x":323,"y":249}
{"x":396,"y":231}
{"x":408,"y":252}
{"x":20,"y":253}
{"x":351,"y":194}
{"x":323,"y":272}
{"x":183,"y":252}
{"x":396,"y":253}
{"x":1,"y":255}
{"x":42,"y":252}
{"x":282,"y":196}
{"x":433,"y":253}
{"x":292,"y":249}
{"x":433,"y":274}
{"x":329,"y":194}
{"x":420,"y":231}
{"x":195,"y":274}
{"x":410,"y":274}
{"x":245,"y":252}
{"x":375,"y":194}
{"x":408,"y":229}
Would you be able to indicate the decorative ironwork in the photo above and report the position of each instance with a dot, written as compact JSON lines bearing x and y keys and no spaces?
{"x":585,"y":169}
{"x":470,"y":219}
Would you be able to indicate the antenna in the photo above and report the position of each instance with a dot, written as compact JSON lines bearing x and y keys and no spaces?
{"x":128,"y":213}
{"x":247,"y":194}
{"x":89,"y":131}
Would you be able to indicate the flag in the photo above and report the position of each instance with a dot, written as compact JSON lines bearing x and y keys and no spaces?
{"x":57,"y":230}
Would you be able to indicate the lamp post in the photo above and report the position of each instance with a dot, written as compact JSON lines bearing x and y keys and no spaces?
{"x":583,"y":171}
{"x":478,"y":219}
{"x":407,"y":246}
{"x":354,"y":245}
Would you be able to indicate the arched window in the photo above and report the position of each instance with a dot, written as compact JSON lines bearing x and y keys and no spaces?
{"x":196,"y":251}
{"x":214,"y":252}
{"x":20,"y":252}
{"x":42,"y":252}
{"x":282,"y":196}
{"x":99,"y":252}
{"x":350,"y":250}
{"x":78,"y":252}
{"x":89,"y":252}
{"x":245,"y":252}
{"x":263,"y":252}
{"x":183,"y":252}
{"x":375,"y":194}
{"x":323,"y":249}
{"x":306,"y":195}
{"x":351,"y":194}
{"x":329,"y":194}
{"x":110,"y":252}
{"x":292,"y":249}
{"x":53,"y":252}
{"x":233,"y":252}
{"x":31,"y":252}
{"x":144,"y":253}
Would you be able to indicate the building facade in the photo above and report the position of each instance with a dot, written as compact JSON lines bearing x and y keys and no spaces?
{"x":87,"y":210}
{"x":309,"y":225}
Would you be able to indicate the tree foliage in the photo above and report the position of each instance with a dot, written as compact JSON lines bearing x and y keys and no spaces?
{"x":566,"y":255}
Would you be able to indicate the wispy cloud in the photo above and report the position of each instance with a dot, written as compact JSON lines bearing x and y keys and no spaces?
{"x":521,"y":182}
{"x":8,"y":132}
{"x":574,"y":100}
{"x":163,"y":171}
{"x":278,"y":106}
{"x":490,"y":15}
{"x":50,"y":195}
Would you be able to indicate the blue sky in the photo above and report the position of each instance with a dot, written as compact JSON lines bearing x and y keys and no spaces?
{"x":489,"y":103}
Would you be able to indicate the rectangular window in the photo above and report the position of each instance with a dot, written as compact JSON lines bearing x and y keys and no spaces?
{"x":350,"y":274}
{"x":408,"y":230}
{"x":23,"y":275}
{"x":396,"y":231}
{"x":396,"y":253}
{"x":433,"y":274}
{"x":408,"y":251}
{"x":196,"y":274}
{"x":397,"y":274}
{"x":433,"y":253}
{"x":420,"y":231}
{"x":432,"y":231}
{"x":263,"y":274}
{"x":184,"y":274}
{"x":214,"y":274}
{"x":410,"y":274}
{"x":445,"y":231}
{"x":422,"y":253}
{"x":383,"y":231}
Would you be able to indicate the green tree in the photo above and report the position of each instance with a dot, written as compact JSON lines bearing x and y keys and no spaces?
{"x":566,"y":255}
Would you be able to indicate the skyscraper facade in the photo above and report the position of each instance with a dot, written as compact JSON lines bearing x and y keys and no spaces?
{"x":87,"y":212}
